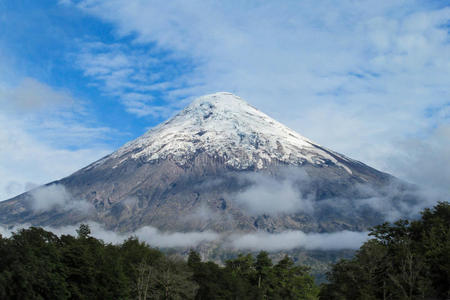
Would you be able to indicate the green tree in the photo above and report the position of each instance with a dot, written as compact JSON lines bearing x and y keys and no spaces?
{"x":404,"y":260}
{"x":292,"y":281}
{"x":138,"y":261}
{"x":31,"y":266}
{"x":241,"y":274}
{"x":173,"y":280}
{"x":36,"y":264}
{"x":83,"y":231}
{"x":263,"y":268}
{"x":194,"y":259}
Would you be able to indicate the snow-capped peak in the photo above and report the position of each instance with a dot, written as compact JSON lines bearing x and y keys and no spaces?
{"x":224,"y":125}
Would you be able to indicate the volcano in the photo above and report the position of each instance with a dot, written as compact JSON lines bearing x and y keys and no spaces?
{"x":220,"y":165}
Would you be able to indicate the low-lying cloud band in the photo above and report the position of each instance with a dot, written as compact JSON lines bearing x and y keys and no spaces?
{"x":254,"y":241}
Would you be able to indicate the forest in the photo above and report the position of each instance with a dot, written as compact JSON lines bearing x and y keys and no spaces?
{"x":402,"y":260}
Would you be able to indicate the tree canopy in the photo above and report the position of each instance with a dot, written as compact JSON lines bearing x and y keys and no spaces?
{"x":404,"y":260}
{"x":37,"y":264}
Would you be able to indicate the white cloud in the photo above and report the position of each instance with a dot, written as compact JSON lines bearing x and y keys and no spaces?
{"x":49,"y":114}
{"x":202,"y":213}
{"x":32,"y":95}
{"x":272,"y":196}
{"x":55,"y":196}
{"x":297,"y":239}
{"x":6,"y":231}
{"x":174,"y":239}
{"x":287,"y":240}
{"x":291,"y":191}
{"x":24,"y":158}
{"x":49,"y":197}
{"x":149,"y":234}
{"x":355,"y":77}
{"x":43,"y":136}
{"x":129,"y":74}
{"x":425,"y":160}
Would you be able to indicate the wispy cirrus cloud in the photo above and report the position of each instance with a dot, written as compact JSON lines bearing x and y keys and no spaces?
{"x":357,"y":77}
{"x":52,"y":114}
{"x":44,"y":136}
{"x":134,"y":75}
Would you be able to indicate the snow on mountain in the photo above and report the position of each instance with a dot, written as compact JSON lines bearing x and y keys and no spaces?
{"x":224,"y":125}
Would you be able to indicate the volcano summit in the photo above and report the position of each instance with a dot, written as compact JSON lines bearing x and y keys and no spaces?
{"x":220,"y":165}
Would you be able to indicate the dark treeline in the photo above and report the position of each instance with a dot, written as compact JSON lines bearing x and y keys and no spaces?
{"x":37,"y":264}
{"x":404,"y":260}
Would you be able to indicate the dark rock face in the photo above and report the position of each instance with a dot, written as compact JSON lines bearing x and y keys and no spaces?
{"x":170,"y":197}
{"x":198,"y":189}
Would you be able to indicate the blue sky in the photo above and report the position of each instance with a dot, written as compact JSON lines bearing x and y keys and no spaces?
{"x":78,"y":79}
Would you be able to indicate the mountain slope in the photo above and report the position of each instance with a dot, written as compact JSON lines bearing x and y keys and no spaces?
{"x":206,"y":169}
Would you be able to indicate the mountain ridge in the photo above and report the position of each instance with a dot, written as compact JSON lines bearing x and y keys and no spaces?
{"x":207,"y":156}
